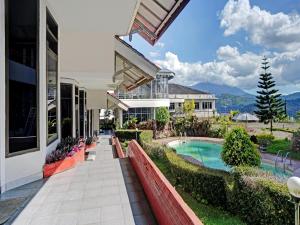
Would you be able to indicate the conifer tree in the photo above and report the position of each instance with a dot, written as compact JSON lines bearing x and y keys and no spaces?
{"x":268,"y":101}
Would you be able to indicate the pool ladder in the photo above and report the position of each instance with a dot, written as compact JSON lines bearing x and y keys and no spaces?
{"x":201,"y":157}
{"x":280,"y":154}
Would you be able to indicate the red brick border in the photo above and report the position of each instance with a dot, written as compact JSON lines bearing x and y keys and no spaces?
{"x":167,"y":205}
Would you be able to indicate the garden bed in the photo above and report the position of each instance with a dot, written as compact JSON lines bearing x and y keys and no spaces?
{"x":64,"y":164}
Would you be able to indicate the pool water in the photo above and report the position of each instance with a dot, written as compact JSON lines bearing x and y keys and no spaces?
{"x":210,"y":155}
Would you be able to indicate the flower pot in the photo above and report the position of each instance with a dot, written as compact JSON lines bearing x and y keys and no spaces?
{"x":59,"y":166}
{"x":91,"y":146}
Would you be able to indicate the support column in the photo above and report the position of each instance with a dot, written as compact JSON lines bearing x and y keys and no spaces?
{"x":120,"y":117}
{"x":2,"y":97}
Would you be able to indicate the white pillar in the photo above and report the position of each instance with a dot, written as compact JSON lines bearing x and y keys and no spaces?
{"x":2,"y":96}
{"x":120,"y":117}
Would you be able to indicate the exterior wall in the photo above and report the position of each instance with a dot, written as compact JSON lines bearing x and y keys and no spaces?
{"x":178,"y":101}
{"x":25,"y":168}
{"x":146,"y":103}
{"x":166,"y":203}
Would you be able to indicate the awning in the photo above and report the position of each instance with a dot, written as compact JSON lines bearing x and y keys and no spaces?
{"x":155,"y":16}
{"x":114,"y":102}
{"x":132,"y":69}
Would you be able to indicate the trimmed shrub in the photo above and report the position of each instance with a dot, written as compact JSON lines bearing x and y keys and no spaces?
{"x":162,"y":115}
{"x":205,"y":185}
{"x":238,"y":150}
{"x":254,"y":195}
{"x":265,"y":139}
{"x":127,"y":135}
{"x":259,"y":199}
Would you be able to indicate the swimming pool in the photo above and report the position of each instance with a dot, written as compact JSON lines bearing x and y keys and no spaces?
{"x":210,"y":155}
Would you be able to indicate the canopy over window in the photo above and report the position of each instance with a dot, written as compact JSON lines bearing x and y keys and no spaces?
{"x":155,"y":16}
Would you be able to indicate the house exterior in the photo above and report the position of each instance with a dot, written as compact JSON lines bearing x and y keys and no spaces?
{"x":58,"y":60}
{"x":143,"y":101}
{"x":205,"y":103}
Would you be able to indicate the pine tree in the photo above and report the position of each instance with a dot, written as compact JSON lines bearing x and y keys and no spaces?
{"x":268,"y":101}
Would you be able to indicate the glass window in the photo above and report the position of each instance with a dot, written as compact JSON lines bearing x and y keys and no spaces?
{"x":52,"y":77}
{"x":197,"y":106}
{"x":76,"y":111}
{"x":81,"y":113}
{"x":22,"y":74}
{"x":172,"y":106}
{"x":207,"y":105}
{"x":66,"y":110}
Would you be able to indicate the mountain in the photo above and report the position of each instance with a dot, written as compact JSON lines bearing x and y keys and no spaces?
{"x":218,"y":89}
{"x":233,"y":98}
{"x":292,"y":96}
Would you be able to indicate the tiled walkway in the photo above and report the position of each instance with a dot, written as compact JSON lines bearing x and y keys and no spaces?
{"x":94,"y":192}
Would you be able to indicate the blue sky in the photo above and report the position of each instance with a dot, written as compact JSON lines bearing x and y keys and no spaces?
{"x":222,"y":41}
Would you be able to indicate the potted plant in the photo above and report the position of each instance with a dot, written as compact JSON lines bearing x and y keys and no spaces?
{"x":66,"y":155}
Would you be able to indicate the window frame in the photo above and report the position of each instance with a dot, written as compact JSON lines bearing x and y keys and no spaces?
{"x":38,"y":92}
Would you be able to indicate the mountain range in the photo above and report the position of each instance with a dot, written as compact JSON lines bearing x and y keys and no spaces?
{"x":233,"y":98}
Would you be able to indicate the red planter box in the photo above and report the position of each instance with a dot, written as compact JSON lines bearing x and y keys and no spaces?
{"x":91,"y":146}
{"x":65,"y":164}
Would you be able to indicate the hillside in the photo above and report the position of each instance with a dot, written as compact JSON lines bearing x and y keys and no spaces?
{"x":233,"y":98}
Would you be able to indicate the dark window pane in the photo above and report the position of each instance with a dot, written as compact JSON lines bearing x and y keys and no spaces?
{"x":66,"y":110}
{"x":52,"y":72}
{"x":81,"y":112}
{"x":22,"y":58}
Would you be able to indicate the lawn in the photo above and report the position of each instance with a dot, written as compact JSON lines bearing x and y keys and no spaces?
{"x":208,"y":215}
{"x":283,"y":145}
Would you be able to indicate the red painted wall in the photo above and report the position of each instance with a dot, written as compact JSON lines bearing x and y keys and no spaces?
{"x":167,"y":205}
{"x":116,"y":143}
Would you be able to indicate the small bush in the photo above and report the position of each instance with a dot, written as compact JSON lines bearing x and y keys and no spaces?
{"x":238,"y":150}
{"x":127,"y":135}
{"x":162,"y":115}
{"x":279,"y":144}
{"x":253,"y":138}
{"x":265,"y":139}
{"x":130,"y":123}
{"x":260,"y":199}
{"x":296,"y":141}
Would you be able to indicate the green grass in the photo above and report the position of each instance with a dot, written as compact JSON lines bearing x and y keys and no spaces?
{"x":208,"y":215}
{"x":283,"y":145}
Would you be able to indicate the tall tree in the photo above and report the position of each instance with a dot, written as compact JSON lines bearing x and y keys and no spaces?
{"x":268,"y":101}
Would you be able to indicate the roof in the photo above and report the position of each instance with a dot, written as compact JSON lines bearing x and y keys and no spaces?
{"x":245,"y":117}
{"x":180,"y":89}
{"x":132,"y":69}
{"x":136,"y":51}
{"x":167,"y":73}
{"x":153,"y":17}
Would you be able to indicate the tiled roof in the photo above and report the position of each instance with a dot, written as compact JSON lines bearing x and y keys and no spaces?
{"x":180,"y":89}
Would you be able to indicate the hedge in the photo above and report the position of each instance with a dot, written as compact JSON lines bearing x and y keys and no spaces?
{"x":127,"y":135}
{"x":252,"y":194}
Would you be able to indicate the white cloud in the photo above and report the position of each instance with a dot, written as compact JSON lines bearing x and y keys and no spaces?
{"x":280,"y":31}
{"x":160,"y":44}
{"x":154,"y":54}
{"x":234,"y":68}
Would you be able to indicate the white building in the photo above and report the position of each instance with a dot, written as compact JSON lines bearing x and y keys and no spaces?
{"x":205,"y":103}
{"x":143,"y":101}
{"x":58,"y":59}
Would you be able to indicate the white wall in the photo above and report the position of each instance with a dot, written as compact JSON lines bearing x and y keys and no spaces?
{"x":2,"y":96}
{"x":146,"y":103}
{"x":96,"y":99}
{"x":28,"y":167}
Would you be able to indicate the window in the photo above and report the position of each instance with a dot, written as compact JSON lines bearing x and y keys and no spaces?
{"x":179,"y":105}
{"x":207,"y":105}
{"x":52,"y":77}
{"x":66,"y":102}
{"x":76,"y":111}
{"x":172,"y":106}
{"x":81,"y":113}
{"x":142,"y":114}
{"x":197,"y":106}
{"x":22,"y":75}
